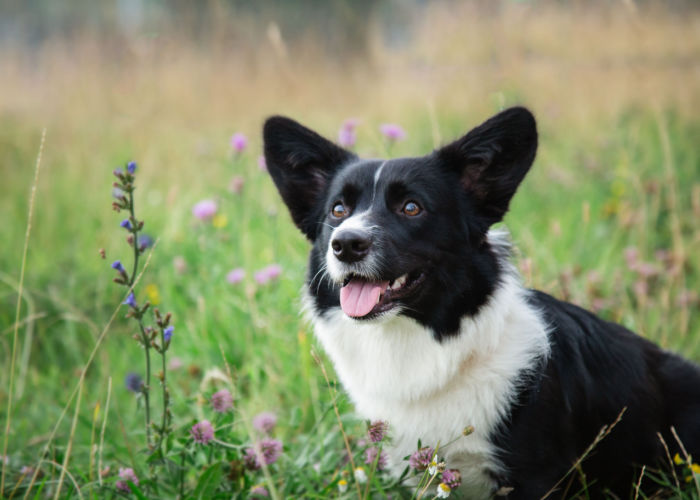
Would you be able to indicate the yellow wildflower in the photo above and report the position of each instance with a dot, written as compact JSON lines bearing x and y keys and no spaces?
{"x":153,"y":294}
{"x":219,"y":221}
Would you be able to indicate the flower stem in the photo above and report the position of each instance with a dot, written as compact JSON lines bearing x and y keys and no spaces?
{"x":147,"y":385}
{"x":146,"y":341}
{"x":164,"y":425}
{"x":135,"y":242}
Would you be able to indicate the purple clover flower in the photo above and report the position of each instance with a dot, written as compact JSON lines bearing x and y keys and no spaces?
{"x":131,"y":167}
{"x":392,"y":132}
{"x":420,"y":460}
{"x":235,"y":275}
{"x":371,"y":456}
{"x":452,"y":478}
{"x":175,"y":363}
{"x":168,"y":333}
{"x":346,"y":135}
{"x":259,"y":491}
{"x":265,"y":422}
{"x":205,"y":209}
{"x":236,"y":184}
{"x":239,"y":142}
{"x":117,"y":265}
{"x":377,"y":430}
{"x":269,"y":450}
{"x":202,"y":432}
{"x":131,"y":301}
{"x":133,"y":382}
{"x":126,"y":224}
{"x":126,"y":474}
{"x":267,"y":274}
{"x":221,"y":401}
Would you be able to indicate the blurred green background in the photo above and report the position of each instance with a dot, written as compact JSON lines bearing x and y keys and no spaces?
{"x":607,"y":218}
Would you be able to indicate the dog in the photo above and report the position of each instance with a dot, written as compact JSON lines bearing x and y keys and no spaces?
{"x":413,"y":296}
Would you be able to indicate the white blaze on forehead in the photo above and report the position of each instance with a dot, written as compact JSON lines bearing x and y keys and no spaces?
{"x":376,"y":178}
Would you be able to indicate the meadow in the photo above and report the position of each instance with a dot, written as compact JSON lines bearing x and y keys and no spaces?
{"x":608,"y":218}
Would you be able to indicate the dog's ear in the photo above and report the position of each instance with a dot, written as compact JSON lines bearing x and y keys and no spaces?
{"x":492,"y":159}
{"x":301,"y":164}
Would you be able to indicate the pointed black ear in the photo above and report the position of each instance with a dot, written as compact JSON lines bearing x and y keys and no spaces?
{"x":492,"y":159}
{"x":301,"y":164}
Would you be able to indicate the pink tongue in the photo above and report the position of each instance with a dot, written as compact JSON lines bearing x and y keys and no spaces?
{"x":359,"y":297}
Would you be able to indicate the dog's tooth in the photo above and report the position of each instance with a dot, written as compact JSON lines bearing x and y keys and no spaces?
{"x":401,"y":281}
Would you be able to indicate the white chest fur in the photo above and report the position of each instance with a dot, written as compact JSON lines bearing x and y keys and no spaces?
{"x":395,"y":371}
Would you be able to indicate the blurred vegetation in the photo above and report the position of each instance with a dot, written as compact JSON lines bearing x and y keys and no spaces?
{"x":614,"y":85}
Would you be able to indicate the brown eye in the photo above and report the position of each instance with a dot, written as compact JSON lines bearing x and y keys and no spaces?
{"x":339,"y":211}
{"x":411,"y":208}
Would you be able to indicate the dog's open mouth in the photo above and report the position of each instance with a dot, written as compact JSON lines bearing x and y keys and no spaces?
{"x":362,"y":298}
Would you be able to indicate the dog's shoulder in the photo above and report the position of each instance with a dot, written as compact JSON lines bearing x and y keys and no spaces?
{"x":596,"y":371}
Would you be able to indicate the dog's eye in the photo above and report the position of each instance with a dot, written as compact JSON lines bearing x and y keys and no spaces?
{"x":339,"y":211}
{"x":411,"y":208}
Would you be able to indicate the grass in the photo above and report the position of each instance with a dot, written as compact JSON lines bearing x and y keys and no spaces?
{"x":617,"y":169}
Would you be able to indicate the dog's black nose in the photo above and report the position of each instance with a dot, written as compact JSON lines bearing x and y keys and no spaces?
{"x":350,"y":245}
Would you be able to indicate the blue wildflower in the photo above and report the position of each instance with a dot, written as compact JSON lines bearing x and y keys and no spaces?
{"x":145,"y":241}
{"x":117,"y":265}
{"x":168,"y":333}
{"x":126,"y":224}
{"x":130,"y":301}
{"x":118,"y":172}
{"x":131,"y":167}
{"x":133,"y":382}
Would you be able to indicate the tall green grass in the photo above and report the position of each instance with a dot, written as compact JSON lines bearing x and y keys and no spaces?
{"x":617,"y":170}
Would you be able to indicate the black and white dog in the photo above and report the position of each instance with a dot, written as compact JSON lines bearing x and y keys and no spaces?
{"x":429,"y":328}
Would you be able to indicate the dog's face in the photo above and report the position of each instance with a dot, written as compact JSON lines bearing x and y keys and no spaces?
{"x":403,"y":236}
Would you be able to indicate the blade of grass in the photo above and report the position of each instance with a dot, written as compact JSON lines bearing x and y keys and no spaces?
{"x":13,"y":358}
{"x":83,"y":372}
{"x":69,"y":447}
{"x":604,"y":431}
{"x":688,"y":458}
{"x":337,"y":414}
{"x":246,"y":422}
{"x":102,"y":432}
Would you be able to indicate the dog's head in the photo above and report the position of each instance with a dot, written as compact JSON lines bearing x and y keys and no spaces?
{"x":402,"y":236}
